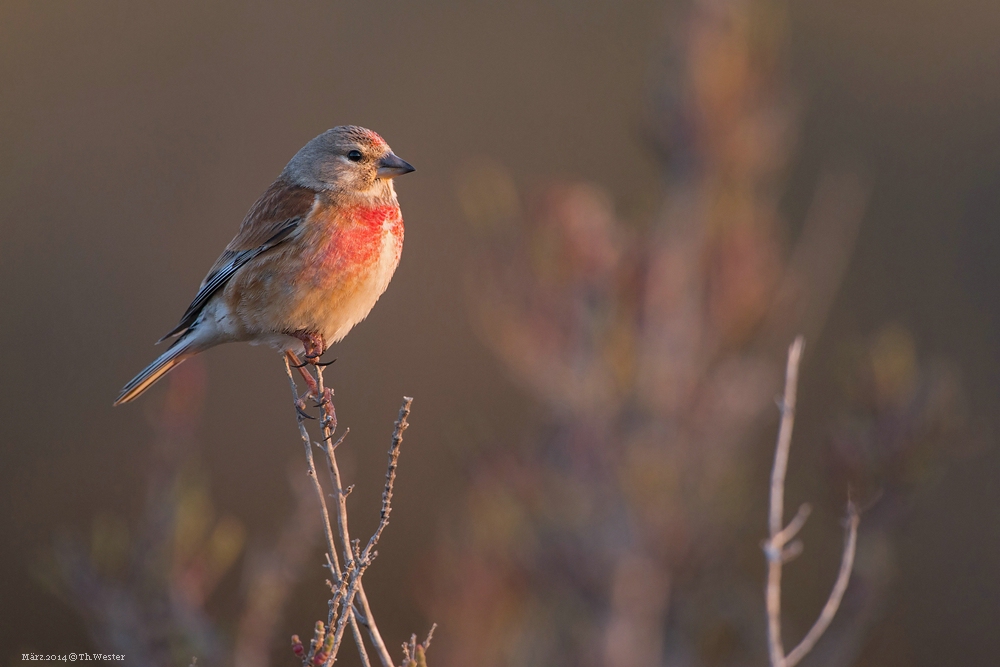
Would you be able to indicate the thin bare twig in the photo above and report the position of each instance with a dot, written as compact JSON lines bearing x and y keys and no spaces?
{"x":836,"y":595}
{"x":347,"y":614}
{"x":329,"y":424}
{"x":774,"y":547}
{"x":348,"y":611}
{"x":390,"y":473}
{"x":390,"y":478}
{"x":346,"y":587}
{"x":789,"y":532}
{"x":311,"y":464}
{"x":777,"y":547}
{"x":373,"y":634}
{"x":413,"y":653}
{"x":329,"y":421}
{"x":785,"y":437}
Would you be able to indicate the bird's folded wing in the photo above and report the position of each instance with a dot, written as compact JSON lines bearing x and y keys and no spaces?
{"x":271,"y":221}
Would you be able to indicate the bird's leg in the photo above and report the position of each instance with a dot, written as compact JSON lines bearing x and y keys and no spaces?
{"x":327,"y":413}
{"x":313,"y":343}
{"x":306,"y":375}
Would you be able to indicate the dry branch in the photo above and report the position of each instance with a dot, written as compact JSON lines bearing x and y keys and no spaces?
{"x":345,"y":583}
{"x":779,"y":548}
{"x":414,"y":653}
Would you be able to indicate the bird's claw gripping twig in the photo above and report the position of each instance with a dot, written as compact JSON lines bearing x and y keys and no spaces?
{"x":293,"y":361}
{"x":314,"y":345}
{"x":301,"y":411}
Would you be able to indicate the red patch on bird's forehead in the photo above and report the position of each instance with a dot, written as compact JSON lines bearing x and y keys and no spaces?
{"x":375,"y":138}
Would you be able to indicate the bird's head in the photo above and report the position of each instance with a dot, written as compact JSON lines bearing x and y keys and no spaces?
{"x":348,"y":160}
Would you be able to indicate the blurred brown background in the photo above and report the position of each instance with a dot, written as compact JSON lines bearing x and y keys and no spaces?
{"x":134,"y":137}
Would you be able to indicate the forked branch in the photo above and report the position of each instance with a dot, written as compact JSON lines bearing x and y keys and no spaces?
{"x":779,"y":547}
{"x":348,"y":606}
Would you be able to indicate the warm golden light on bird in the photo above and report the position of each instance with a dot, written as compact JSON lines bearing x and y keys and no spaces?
{"x":311,"y":258}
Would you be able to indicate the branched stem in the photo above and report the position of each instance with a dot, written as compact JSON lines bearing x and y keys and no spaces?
{"x":346,"y":587}
{"x":779,"y":549}
{"x":390,"y":473}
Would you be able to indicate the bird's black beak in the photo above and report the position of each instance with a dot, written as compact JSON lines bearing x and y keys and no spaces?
{"x":390,"y":166}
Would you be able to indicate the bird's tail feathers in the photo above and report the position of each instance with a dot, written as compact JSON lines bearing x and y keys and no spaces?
{"x":183,"y":348}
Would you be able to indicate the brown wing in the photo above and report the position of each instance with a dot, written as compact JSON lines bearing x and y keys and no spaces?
{"x":270,"y":221}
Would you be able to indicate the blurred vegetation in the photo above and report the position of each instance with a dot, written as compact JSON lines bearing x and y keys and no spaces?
{"x":613,"y":535}
{"x":146,"y":592}
{"x":622,"y":531}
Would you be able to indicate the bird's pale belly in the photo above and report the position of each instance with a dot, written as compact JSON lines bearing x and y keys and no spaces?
{"x":347,"y":292}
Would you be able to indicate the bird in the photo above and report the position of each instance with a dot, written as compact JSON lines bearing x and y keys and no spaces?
{"x":310,"y":259}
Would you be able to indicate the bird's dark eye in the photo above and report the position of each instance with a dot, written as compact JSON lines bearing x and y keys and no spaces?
{"x":354,"y":156}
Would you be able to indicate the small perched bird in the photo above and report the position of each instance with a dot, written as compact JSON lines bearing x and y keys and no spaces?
{"x":310,"y":260}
